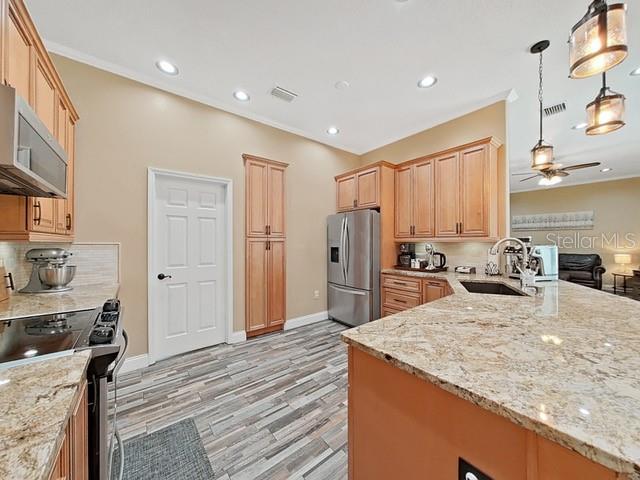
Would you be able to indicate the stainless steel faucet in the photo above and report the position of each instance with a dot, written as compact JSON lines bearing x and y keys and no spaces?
{"x":525,"y":254}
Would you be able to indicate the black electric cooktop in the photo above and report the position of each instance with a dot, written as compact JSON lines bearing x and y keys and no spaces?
{"x":29,"y":337}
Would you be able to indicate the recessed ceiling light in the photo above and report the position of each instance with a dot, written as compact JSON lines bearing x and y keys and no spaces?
{"x":241,"y":96}
{"x":636,"y":72}
{"x":167,"y":67}
{"x":428,"y":81}
{"x":606,"y":169}
{"x":333,"y":130}
{"x":342,"y":85}
{"x":580,"y":126}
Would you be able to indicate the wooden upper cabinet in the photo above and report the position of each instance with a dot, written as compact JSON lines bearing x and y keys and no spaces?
{"x":368,"y":188}
{"x":276,"y":201}
{"x":423,"y":200}
{"x":61,"y":135}
{"x":256,"y":198}
{"x":45,"y":103}
{"x":18,"y":57}
{"x":265,"y":198}
{"x":27,"y":67}
{"x":404,"y":202}
{"x":365,"y":187}
{"x":346,"y":193}
{"x":447,"y":198}
{"x":474,"y":192}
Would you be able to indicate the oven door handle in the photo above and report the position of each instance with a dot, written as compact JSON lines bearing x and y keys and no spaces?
{"x":120,"y":360}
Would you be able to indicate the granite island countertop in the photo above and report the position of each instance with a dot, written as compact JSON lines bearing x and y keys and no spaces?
{"x":36,"y":402}
{"x":82,"y":297}
{"x":563,"y":361}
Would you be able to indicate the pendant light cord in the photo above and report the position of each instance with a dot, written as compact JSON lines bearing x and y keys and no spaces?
{"x":540,"y":95}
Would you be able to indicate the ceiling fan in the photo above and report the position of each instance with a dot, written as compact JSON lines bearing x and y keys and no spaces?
{"x":555,"y":173}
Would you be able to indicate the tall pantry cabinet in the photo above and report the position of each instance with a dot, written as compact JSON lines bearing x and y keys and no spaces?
{"x":265,"y":263}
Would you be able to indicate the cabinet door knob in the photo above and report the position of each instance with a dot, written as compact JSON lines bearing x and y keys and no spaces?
{"x":162,"y":276}
{"x":68,"y":221}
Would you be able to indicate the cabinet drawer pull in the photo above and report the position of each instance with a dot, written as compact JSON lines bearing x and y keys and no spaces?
{"x":68,"y":221}
{"x":355,"y":203}
{"x":37,"y":213}
{"x":399,"y":300}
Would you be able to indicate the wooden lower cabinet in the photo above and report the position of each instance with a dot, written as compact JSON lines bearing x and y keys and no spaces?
{"x":401,"y":292}
{"x":72,"y":461}
{"x":265,"y":285}
{"x":404,"y":427}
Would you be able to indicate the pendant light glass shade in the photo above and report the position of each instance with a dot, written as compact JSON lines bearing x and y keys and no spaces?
{"x":542,"y":157}
{"x":598,"y":42}
{"x":606,"y":113}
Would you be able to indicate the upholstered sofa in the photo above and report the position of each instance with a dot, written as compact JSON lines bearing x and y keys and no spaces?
{"x":585,"y":269}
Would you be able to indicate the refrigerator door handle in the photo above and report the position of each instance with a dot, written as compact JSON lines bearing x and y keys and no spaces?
{"x":350,"y":292}
{"x":342,"y":247}
{"x":347,"y":248}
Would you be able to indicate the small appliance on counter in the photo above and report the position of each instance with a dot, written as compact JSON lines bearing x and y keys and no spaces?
{"x":436,"y":261}
{"x":407,"y":254}
{"x":545,"y":259}
{"x":50,"y":272}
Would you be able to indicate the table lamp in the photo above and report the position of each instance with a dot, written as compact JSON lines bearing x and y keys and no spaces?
{"x":622,"y":259}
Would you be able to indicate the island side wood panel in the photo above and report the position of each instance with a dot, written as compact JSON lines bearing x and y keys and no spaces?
{"x":401,"y":426}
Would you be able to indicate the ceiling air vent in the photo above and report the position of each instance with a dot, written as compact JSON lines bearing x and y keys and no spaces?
{"x":283,"y":94}
{"x":555,"y":109}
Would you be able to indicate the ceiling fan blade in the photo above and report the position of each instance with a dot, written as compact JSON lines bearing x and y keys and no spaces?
{"x":529,"y":178}
{"x":561,"y":173}
{"x":523,"y":173}
{"x":581,"y":165}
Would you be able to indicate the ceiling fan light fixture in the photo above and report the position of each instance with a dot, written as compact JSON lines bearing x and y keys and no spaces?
{"x":550,"y":181}
{"x":606,"y":113}
{"x":598,"y":42}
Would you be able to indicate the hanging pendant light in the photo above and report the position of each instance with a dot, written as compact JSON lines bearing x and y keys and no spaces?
{"x":598,"y":42}
{"x":606,"y":113}
{"x":542,"y":153}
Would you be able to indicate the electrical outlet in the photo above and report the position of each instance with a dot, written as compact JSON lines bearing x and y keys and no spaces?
{"x":316,"y":294}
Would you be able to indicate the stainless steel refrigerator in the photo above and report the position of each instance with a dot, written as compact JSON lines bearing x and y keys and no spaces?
{"x":353,"y":267}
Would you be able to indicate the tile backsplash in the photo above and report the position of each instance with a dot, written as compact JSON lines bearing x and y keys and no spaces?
{"x":473,"y":254}
{"x":98,"y":263}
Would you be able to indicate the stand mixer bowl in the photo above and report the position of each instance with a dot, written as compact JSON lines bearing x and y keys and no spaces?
{"x":57,"y":276}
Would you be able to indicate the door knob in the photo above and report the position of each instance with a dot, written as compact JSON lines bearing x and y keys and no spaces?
{"x":162,"y":276}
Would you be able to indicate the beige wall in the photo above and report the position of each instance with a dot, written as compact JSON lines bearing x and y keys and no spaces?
{"x":126,"y":127}
{"x":616,"y":206}
{"x":486,"y":122}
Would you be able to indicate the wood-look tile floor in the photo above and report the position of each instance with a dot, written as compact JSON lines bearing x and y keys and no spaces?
{"x":274,"y":407}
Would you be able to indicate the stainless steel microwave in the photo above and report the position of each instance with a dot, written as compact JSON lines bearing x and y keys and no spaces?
{"x":32,"y":162}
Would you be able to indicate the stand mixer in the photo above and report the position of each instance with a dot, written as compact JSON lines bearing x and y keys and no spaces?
{"x":50,"y":272}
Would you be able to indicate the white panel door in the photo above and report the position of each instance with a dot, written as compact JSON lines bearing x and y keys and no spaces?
{"x":189,"y":271}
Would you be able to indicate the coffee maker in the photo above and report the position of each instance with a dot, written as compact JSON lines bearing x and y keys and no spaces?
{"x":407,"y":253}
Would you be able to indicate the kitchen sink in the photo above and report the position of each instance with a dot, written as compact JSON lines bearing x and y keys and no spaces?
{"x":493,"y":288}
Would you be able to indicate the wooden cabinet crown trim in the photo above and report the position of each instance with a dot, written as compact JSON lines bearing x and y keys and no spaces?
{"x":484,"y":141}
{"x":369,"y":166}
{"x":246,"y":157}
{"x":43,"y":54}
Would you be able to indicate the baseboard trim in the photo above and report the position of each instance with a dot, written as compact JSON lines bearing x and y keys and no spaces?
{"x":306,"y":320}
{"x":237,"y":337}
{"x":135,"y":363}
